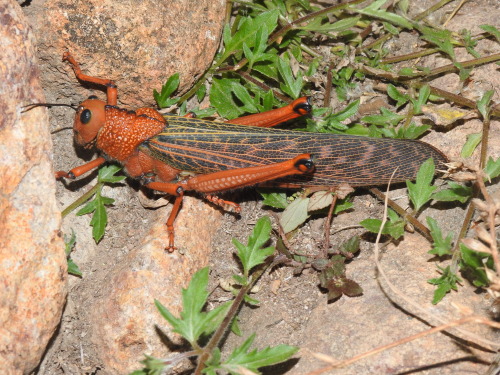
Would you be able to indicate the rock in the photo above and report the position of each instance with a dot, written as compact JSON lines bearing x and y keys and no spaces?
{"x":125,"y":322}
{"x":32,"y":259}
{"x":136,"y":43}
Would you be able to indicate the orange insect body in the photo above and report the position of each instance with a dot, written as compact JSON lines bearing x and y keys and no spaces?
{"x":120,"y":134}
{"x":220,"y":157}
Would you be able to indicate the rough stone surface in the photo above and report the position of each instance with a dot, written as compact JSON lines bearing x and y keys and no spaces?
{"x":32,"y":259}
{"x":136,"y":43}
{"x":126,"y":324}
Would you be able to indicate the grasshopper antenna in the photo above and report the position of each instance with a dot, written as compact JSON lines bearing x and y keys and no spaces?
{"x":29,"y":107}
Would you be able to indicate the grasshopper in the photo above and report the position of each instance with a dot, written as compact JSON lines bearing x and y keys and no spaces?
{"x":175,"y":154}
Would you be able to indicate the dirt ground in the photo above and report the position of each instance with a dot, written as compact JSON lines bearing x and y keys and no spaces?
{"x":293,"y":309}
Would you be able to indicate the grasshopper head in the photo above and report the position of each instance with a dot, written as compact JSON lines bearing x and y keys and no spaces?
{"x":90,"y":117}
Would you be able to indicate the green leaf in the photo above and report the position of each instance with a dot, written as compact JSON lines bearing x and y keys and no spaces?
{"x":291,"y":86}
{"x":351,"y":245}
{"x":421,"y":191}
{"x":275,"y":200}
{"x":470,"y":145}
{"x":385,"y":118}
{"x":99,"y":219}
{"x":88,"y":208}
{"x":374,"y":10}
{"x":441,"y":38}
{"x":69,"y":243}
{"x":475,"y":263}
{"x":221,"y":97}
{"x":153,"y":366}
{"x":396,"y":95}
{"x":295,"y":214}
{"x":253,"y":254}
{"x":408,"y":72}
{"x":242,"y":358}
{"x":393,"y":227}
{"x":193,"y":322}
{"x":334,"y":120}
{"x":249,"y":27}
{"x":492,"y":168}
{"x":423,"y":96}
{"x":413,"y":131}
{"x":243,"y":95}
{"x":318,"y":25}
{"x":447,"y":282}
{"x":73,"y":268}
{"x":258,"y":52}
{"x":107,"y":174}
{"x":492,"y":30}
{"x":441,"y":246}
{"x":455,"y":192}
{"x":483,"y":104}
{"x":163,"y":99}
{"x":342,"y":205}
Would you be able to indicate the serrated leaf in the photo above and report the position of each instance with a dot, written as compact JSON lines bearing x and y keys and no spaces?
{"x":275,"y":200}
{"x":221,"y":97}
{"x":193,"y":322}
{"x":439,"y":37}
{"x":242,"y":94}
{"x":470,"y":145}
{"x":441,"y":246}
{"x":455,"y":192}
{"x":241,"y":357}
{"x":107,"y":174}
{"x":291,"y":86}
{"x":447,"y":282}
{"x":163,"y":98}
{"x":492,"y":168}
{"x":253,"y":254}
{"x":295,"y":214}
{"x":421,"y":191}
{"x":247,"y":31}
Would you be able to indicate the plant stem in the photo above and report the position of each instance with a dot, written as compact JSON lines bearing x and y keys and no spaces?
{"x":81,"y":200}
{"x":216,"y":337}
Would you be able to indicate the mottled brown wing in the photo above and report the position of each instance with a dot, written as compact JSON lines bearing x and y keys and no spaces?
{"x":201,"y":146}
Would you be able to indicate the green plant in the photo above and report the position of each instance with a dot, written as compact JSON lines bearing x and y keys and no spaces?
{"x":203,"y":330}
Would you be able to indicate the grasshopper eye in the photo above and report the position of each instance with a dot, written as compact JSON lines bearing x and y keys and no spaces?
{"x":85,"y":116}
